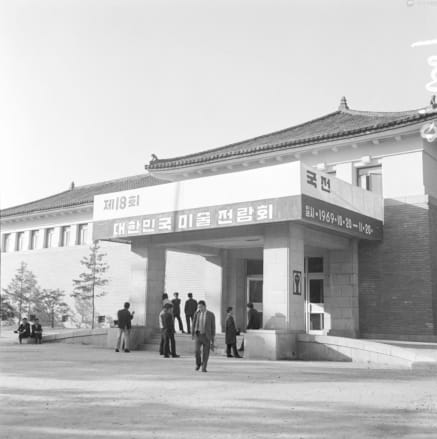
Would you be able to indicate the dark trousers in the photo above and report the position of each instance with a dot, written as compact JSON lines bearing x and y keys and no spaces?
{"x":201,"y":341}
{"x":161,"y":345}
{"x":181,"y":327}
{"x":169,"y":344}
{"x":38,"y":338}
{"x":21,"y":336}
{"x":189,"y":319}
{"x":232,"y":346}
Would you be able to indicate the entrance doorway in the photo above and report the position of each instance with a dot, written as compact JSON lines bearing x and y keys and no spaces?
{"x":314,"y":295}
{"x":255,"y":294}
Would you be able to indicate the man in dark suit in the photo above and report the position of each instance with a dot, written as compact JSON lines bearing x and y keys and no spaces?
{"x":203,"y":334}
{"x":168,"y":326}
{"x":253,"y":321}
{"x":23,"y":330}
{"x":124,"y":324}
{"x":37,"y":332}
{"x":190,"y":309}
{"x":177,"y":311}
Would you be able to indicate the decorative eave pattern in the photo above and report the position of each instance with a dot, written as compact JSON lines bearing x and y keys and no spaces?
{"x":80,"y":195}
{"x":340,"y":125}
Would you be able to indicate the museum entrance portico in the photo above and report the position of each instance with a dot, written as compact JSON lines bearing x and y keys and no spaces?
{"x":280,"y":219}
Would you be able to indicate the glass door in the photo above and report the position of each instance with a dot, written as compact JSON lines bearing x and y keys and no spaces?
{"x":314,"y":295}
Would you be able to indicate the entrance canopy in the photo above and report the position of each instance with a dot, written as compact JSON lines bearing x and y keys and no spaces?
{"x":283,"y":192}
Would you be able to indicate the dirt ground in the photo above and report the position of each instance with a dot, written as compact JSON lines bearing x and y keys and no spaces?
{"x":73,"y":391}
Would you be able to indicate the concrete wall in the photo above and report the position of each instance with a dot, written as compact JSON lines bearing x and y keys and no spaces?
{"x":341,"y":298}
{"x":57,"y":267}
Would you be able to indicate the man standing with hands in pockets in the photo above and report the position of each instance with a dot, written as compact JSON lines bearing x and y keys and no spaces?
{"x":203,"y":334}
{"x":124,"y":324}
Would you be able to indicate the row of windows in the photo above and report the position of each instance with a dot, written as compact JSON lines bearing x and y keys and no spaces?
{"x":369,"y":178}
{"x":48,"y":238}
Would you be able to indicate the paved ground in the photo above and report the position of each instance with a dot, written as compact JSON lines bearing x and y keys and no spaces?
{"x":73,"y":391}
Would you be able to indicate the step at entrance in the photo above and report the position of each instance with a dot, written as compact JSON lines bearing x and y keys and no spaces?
{"x":185,"y":344}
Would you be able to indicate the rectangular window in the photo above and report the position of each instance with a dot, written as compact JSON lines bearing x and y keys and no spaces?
{"x":34,"y":237}
{"x":370,"y":178}
{"x":19,"y":243}
{"x":83,"y":234}
{"x":65,"y":237}
{"x":50,"y":237}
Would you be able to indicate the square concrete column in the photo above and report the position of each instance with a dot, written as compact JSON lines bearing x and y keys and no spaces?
{"x":213,"y":287}
{"x":283,"y":255}
{"x":147,"y":284}
{"x":73,"y":235}
{"x":27,"y":237}
{"x":57,"y":236}
{"x":41,"y":239}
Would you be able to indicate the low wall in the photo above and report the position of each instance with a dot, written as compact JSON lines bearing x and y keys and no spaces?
{"x":266,"y":344}
{"x":138,"y":336}
{"x":95,"y":337}
{"x":329,"y":348}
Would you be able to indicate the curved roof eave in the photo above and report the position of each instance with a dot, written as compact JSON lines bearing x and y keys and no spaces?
{"x":344,"y":124}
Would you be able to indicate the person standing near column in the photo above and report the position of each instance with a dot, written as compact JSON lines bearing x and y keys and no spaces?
{"x":124,"y":324}
{"x":231,"y":334}
{"x":168,"y":323}
{"x":37,"y":331}
{"x":177,"y":311}
{"x":189,"y":309}
{"x":203,"y":334}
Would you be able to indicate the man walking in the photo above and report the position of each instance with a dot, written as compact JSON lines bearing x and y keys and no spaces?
{"x":124,"y":324}
{"x":190,"y":309}
{"x":177,"y":310}
{"x":203,"y":334}
{"x":168,"y":326}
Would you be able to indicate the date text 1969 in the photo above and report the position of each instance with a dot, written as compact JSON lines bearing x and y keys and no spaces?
{"x":329,"y":217}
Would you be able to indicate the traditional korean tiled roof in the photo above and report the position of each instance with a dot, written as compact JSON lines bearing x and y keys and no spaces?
{"x":339,"y":125}
{"x":81,"y":195}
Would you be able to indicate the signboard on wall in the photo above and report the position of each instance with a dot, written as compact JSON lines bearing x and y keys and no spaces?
{"x":285,"y":192}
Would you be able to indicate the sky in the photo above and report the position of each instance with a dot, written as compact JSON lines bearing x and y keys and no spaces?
{"x":89,"y":89}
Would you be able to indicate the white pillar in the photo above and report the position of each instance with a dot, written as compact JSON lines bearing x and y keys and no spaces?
{"x":213,"y":287}
{"x":27,"y":237}
{"x":73,"y":235}
{"x":296,"y":266}
{"x":147,"y":284}
{"x":283,"y":256}
{"x":345,"y":172}
{"x":56,"y":236}
{"x":275,"y":286}
{"x":41,"y":239}
{"x":12,"y":247}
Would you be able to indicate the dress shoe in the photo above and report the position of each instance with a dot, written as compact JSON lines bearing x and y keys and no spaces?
{"x":204,"y":370}
{"x":198,"y":367}
{"x":229,"y":356}
{"x":238,"y":356}
{"x":166,"y":356}
{"x":117,"y":350}
{"x":127,"y":350}
{"x":175,"y":356}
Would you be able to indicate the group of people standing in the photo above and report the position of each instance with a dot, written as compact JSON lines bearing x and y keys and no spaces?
{"x":26,"y":331}
{"x":200,"y":324}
